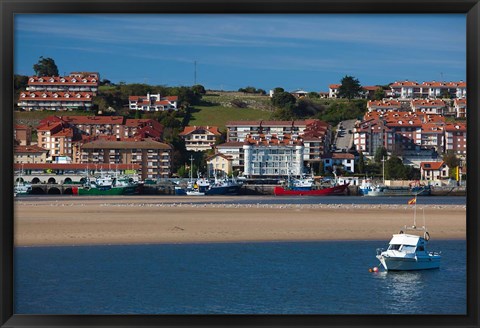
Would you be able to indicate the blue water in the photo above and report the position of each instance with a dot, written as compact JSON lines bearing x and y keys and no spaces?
{"x":234,"y":278}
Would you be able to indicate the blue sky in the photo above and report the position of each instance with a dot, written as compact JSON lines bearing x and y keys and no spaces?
{"x":233,"y":51}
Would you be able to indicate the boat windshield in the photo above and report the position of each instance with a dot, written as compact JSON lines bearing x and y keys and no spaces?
{"x":394,"y":247}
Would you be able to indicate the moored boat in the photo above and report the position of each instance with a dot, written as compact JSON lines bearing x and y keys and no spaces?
{"x":327,"y":191}
{"x":407,"y":250}
{"x":106,"y":185}
{"x":224,"y":187}
{"x":396,"y":191}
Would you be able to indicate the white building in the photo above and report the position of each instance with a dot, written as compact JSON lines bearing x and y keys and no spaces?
{"x":273,"y":157}
{"x":152,"y":103}
{"x":345,"y":161}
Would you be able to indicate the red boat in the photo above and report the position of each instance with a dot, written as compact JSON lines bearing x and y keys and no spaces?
{"x":335,"y":190}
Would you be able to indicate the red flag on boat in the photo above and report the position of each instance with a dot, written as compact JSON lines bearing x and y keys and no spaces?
{"x":412,"y":201}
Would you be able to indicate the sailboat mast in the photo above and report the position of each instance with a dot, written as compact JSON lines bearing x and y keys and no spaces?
{"x":415,"y":213}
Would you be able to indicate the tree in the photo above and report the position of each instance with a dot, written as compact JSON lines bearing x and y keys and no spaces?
{"x":379,"y":94}
{"x":45,"y":67}
{"x":350,"y":88}
{"x":278,"y":90}
{"x":199,"y":89}
{"x":394,"y":169}
{"x":379,"y":154}
{"x":361,"y":163}
{"x":452,"y":161}
{"x":313,"y":95}
{"x":283,"y":100}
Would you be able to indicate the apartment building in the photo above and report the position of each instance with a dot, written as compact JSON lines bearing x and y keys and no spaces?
{"x":200,"y":138}
{"x":152,"y":103}
{"x":153,"y":157}
{"x":76,"y":82}
{"x":273,"y":156}
{"x":237,"y":131}
{"x":384,"y":105}
{"x":55,"y":100}
{"x":429,"y":106}
{"x":117,"y":126}
{"x":433,"y":89}
{"x":456,"y":138}
{"x":57,"y":138}
{"x":399,"y":132}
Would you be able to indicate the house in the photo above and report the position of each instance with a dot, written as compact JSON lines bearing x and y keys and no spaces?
{"x":299,"y":93}
{"x":344,"y":161}
{"x":333,"y":90}
{"x":152,"y":103}
{"x":219,"y":165}
{"x":30,"y":154}
{"x":434,"y":171}
{"x":200,"y":138}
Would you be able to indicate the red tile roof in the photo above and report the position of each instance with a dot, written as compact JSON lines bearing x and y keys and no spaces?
{"x":428,"y":102}
{"x":191,"y":129}
{"x":29,"y":149}
{"x":62,"y":80}
{"x":55,"y":96}
{"x":428,"y":166}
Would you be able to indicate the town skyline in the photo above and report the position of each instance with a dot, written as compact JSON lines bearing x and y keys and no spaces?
{"x":228,"y":52}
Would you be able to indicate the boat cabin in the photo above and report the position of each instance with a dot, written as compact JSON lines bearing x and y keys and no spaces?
{"x":407,"y":243}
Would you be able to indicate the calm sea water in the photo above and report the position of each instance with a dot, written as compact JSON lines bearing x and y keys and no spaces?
{"x":234,"y":278}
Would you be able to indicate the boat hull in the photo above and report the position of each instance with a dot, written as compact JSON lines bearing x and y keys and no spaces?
{"x":115,"y":191}
{"x":396,"y":192}
{"x":336,"y":190}
{"x":227,"y":190}
{"x":409,"y":264}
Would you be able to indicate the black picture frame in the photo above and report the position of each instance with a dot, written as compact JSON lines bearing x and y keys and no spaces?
{"x":471,"y":8}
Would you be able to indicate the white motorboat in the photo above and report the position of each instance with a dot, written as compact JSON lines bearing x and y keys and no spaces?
{"x":407,"y":250}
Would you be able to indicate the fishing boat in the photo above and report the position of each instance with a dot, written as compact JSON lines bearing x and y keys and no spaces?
{"x":22,"y":188}
{"x":381,"y":190}
{"x":107,"y":185}
{"x":326,"y":191}
{"x":407,"y":250}
{"x":198,"y":187}
{"x":224,"y":187}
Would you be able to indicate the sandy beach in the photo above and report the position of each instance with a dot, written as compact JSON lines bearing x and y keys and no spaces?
{"x":138,"y":220}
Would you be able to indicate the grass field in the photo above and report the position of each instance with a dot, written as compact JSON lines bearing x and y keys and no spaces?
{"x":220,"y":115}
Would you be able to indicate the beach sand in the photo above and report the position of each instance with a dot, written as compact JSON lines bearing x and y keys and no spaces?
{"x":169,"y":219}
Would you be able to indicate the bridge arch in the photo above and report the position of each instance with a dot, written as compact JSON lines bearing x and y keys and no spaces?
{"x":52,"y":181}
{"x":68,"y":180}
{"x":20,"y":179}
{"x":35,"y":180}
{"x":54,"y":191}
{"x":68,"y":191}
{"x":38,"y":191}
